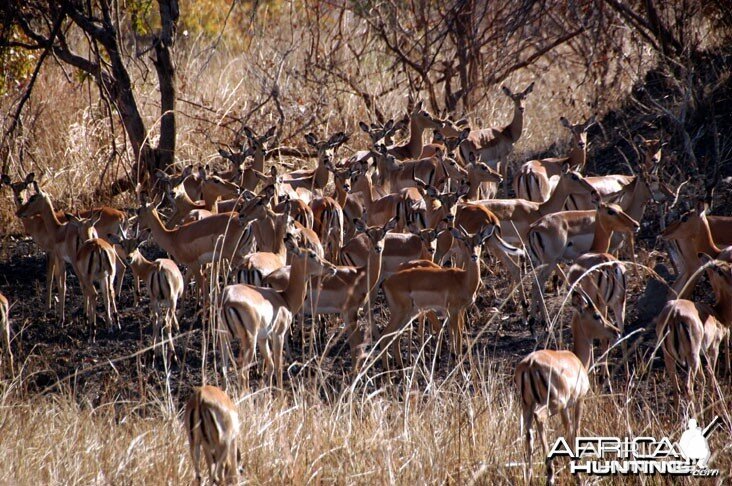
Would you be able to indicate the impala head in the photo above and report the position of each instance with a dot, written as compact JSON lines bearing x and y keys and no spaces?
{"x":649,"y":172}
{"x":579,"y":131}
{"x":18,"y":188}
{"x":451,"y":129}
{"x":720,"y":272}
{"x":594,"y":325}
{"x":217,"y":186}
{"x":379,"y":134}
{"x":482,"y":173}
{"x":451,"y":143}
{"x":613,"y":218}
{"x":428,"y":236}
{"x":314,"y":265}
{"x":690,"y":225}
{"x":376,"y":234}
{"x":36,"y":204}
{"x":146,"y":213}
{"x":422,"y":118}
{"x":518,"y":98}
{"x":326,"y":148}
{"x":84,"y":226}
{"x":473,"y":242}
{"x":259,"y":143}
{"x":572,"y":182}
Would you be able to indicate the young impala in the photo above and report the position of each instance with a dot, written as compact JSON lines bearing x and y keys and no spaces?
{"x":212,"y":425}
{"x":95,"y":263}
{"x":534,"y":180}
{"x":164,"y":286}
{"x":555,"y":382}
{"x":245,"y":176}
{"x":263,"y":316}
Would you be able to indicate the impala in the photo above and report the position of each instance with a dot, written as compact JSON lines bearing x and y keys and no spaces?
{"x":401,"y":205}
{"x":63,"y":238}
{"x":346,"y":290}
{"x":445,"y":144}
{"x":95,"y":263}
{"x":200,"y":242}
{"x":164,"y":286}
{"x":110,"y":222}
{"x":686,"y":238}
{"x":270,"y":230}
{"x":212,"y":424}
{"x":571,"y":234}
{"x":317,"y":178}
{"x":685,"y":329}
{"x":493,"y":145}
{"x":419,"y":121}
{"x":5,"y":331}
{"x":447,"y":290}
{"x":556,"y":382}
{"x":262,"y":316}
{"x":517,"y":215}
{"x":395,"y":176}
{"x":328,"y":225}
{"x":534,"y":180}
{"x":246,"y":177}
{"x":399,"y":248}
{"x":351,"y":204}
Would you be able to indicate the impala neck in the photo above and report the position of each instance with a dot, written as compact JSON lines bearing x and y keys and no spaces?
{"x":258,"y":162}
{"x":723,"y":306}
{"x":517,"y":123}
{"x":363,"y":185}
{"x":577,"y":157}
{"x":601,"y":240}
{"x":414,"y":146}
{"x":340,"y":194}
{"x":279,"y":247}
{"x":373,"y":267}
{"x":48,"y":215}
{"x":705,"y":242}
{"x":294,"y":294}
{"x":639,"y":195}
{"x":321,"y":176}
{"x":140,"y":265}
{"x":556,"y":200}
{"x":582,"y":346}
{"x":163,"y":236}
{"x":473,"y":274}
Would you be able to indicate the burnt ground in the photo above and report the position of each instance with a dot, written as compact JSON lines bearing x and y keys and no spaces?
{"x":111,"y":368}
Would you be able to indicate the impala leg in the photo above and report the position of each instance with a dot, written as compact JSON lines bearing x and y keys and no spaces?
{"x":263,"y":343}
{"x":50,"y":277}
{"x":107,"y":287}
{"x":540,"y":421}
{"x":671,"y":370}
{"x":277,"y":345}
{"x":355,"y":338}
{"x":396,"y":322}
{"x":61,"y":284}
{"x":527,"y":418}
{"x":195,"y":447}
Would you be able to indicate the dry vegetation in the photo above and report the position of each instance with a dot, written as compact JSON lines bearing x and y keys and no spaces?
{"x":307,"y":66}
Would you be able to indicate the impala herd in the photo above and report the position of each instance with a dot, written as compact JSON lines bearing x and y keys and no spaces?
{"x":408,"y":219}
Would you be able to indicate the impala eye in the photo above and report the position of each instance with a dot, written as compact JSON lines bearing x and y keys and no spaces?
{"x":574,"y":177}
{"x":612,"y":212}
{"x":596,"y":316}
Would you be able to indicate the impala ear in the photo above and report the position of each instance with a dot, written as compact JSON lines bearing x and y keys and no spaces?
{"x":311,"y":140}
{"x":391,"y":224}
{"x":566,"y":167}
{"x":389,"y":126}
{"x":528,"y":90}
{"x":5,"y":179}
{"x":506,"y":91}
{"x":359,"y":224}
{"x":487,"y":233}
{"x":364,"y":127}
{"x":464,"y":134}
{"x":30,"y":178}
{"x":580,"y":299}
{"x":270,"y":133}
{"x":565,"y":123}
{"x":71,"y":218}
